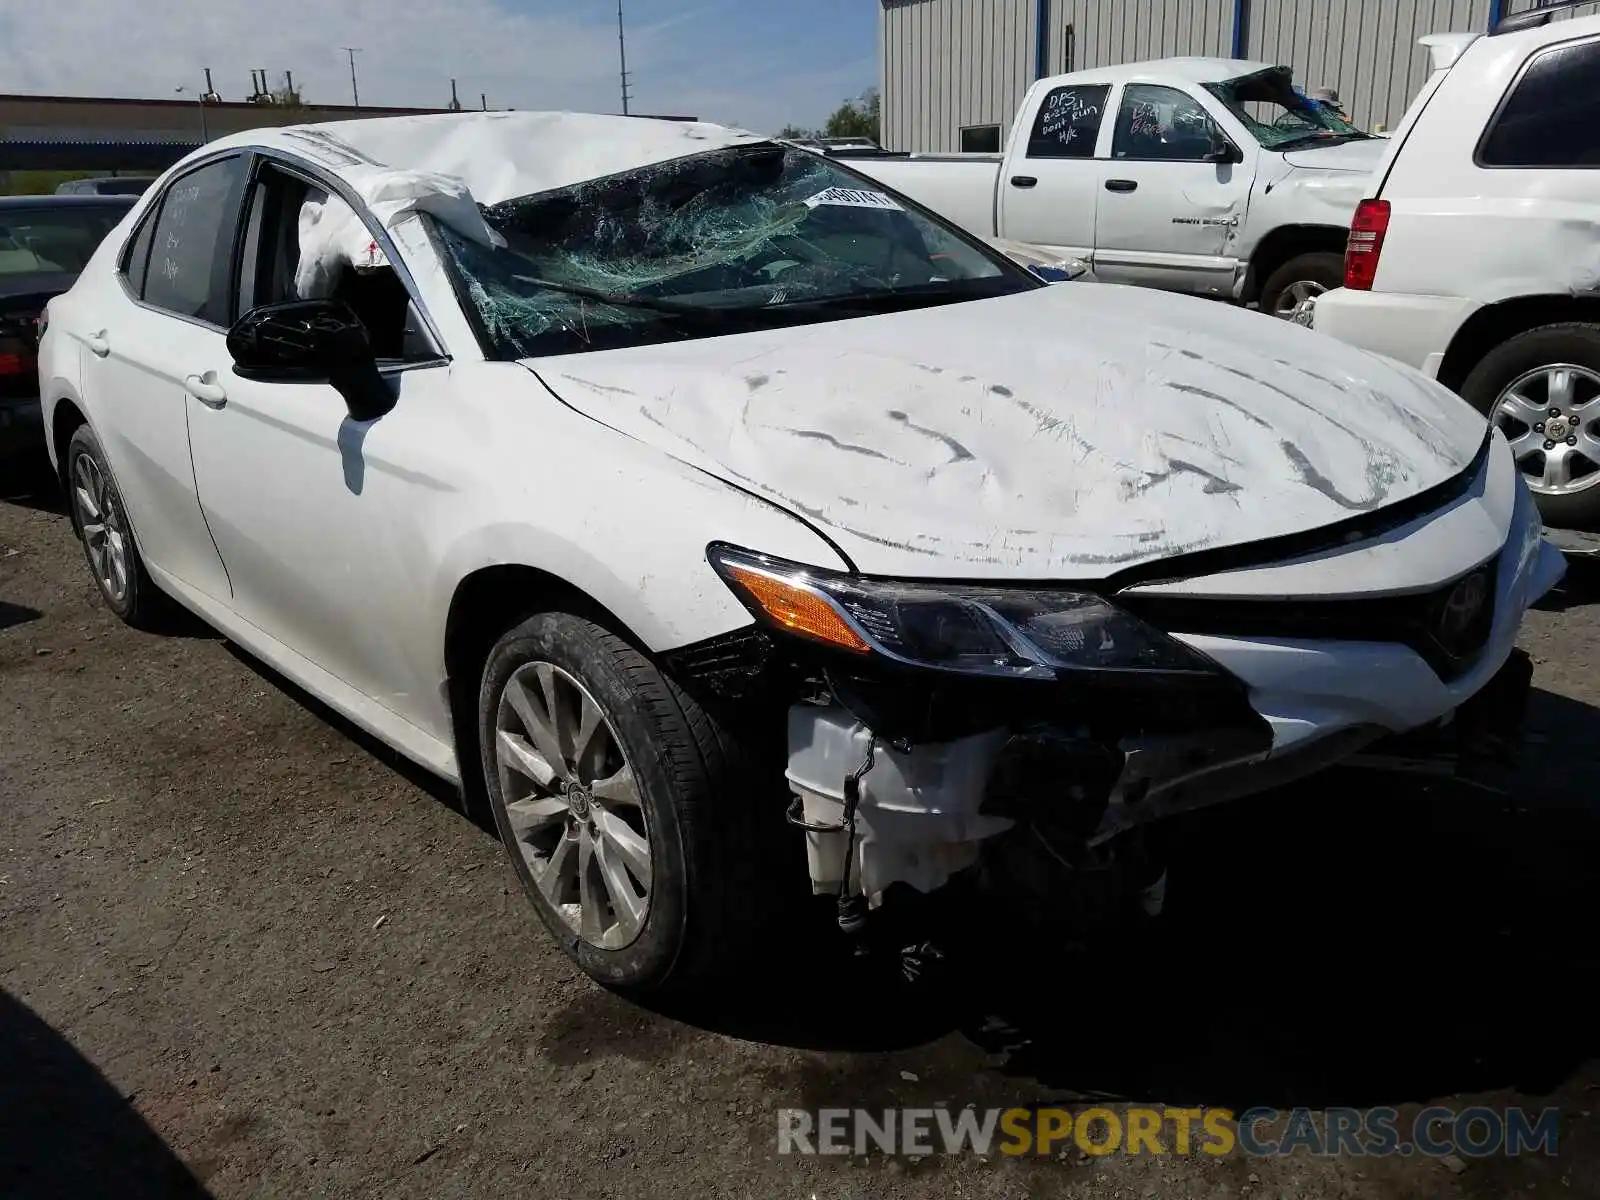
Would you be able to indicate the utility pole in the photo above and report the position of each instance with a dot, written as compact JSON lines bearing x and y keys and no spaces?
{"x":201,"y":98}
{"x":355,"y":92}
{"x":622,"y":51}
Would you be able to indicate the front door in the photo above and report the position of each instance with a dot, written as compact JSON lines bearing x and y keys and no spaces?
{"x":1168,"y":217}
{"x":1047,"y":193}
{"x":316,"y":514}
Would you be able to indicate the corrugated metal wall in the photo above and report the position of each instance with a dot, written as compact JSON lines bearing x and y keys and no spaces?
{"x":1098,"y":33}
{"x":950,"y":63}
{"x":1365,"y":49}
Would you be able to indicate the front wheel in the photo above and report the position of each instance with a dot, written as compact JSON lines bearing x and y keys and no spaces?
{"x":627,"y":811}
{"x":1542,"y":389}
{"x":1292,"y":290}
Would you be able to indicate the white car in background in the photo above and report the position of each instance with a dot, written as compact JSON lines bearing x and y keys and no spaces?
{"x":661,"y":482}
{"x":1213,"y":176}
{"x":1476,"y":258}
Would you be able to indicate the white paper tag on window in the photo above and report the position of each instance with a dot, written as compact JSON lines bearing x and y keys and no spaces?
{"x":854,"y":198}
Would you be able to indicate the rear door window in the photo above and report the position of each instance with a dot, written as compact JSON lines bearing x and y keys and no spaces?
{"x":1068,"y":122}
{"x":137,"y":257}
{"x":191,"y":248}
{"x":1552,"y":116}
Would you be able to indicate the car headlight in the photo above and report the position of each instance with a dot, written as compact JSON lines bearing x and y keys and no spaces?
{"x":1013,"y":632}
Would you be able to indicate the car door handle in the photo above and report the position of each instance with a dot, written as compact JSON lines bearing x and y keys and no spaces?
{"x":206,"y":389}
{"x":1121,"y":185}
{"x":98,"y":346}
{"x":1024,"y":181}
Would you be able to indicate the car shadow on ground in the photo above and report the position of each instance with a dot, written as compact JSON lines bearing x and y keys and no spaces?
{"x":34,"y":488}
{"x":1370,"y":939}
{"x":66,"y":1132}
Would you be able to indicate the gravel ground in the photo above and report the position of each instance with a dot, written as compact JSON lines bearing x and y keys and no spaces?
{"x":246,"y":952}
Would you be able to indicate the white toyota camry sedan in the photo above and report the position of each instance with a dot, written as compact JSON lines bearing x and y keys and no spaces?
{"x":718,"y":516}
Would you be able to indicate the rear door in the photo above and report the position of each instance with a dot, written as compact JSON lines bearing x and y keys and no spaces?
{"x":1166,"y":213}
{"x":168,"y":308}
{"x":1049,"y":179}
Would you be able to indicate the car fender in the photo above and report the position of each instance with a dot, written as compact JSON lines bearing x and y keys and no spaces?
{"x":651,"y":575}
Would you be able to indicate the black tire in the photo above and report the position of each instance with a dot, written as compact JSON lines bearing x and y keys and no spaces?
{"x":1575,"y":342}
{"x":141,"y":603}
{"x":711,"y":824}
{"x":1321,"y":267}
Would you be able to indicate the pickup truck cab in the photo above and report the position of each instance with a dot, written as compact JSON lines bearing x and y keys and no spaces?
{"x":1205,"y":175}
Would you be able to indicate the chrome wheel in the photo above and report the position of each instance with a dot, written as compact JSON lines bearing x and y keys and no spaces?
{"x":572,"y":805}
{"x":1296,"y":302}
{"x":1551,"y":417}
{"x":105,"y":529}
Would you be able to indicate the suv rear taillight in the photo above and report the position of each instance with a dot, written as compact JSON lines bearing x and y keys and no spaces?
{"x":1361,"y":252}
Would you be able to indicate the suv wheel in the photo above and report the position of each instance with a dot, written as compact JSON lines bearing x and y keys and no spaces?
{"x":1292,"y":290}
{"x":1542,"y":389}
{"x":624,"y":806}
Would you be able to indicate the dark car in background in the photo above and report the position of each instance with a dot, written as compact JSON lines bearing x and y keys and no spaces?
{"x":44,"y":242}
{"x":107,"y":185}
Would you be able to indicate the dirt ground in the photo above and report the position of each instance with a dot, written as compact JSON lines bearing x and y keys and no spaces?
{"x":245,"y":952}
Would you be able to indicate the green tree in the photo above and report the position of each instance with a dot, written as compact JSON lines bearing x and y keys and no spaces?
{"x":794,"y":132}
{"x":860,"y":117}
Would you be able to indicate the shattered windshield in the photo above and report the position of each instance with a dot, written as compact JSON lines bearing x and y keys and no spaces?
{"x":736,"y":239}
{"x":1278,"y":116}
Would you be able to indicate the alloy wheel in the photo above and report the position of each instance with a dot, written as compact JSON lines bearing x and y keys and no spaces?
{"x":1296,"y":302}
{"x":105,"y":529}
{"x":572,"y":805}
{"x":1551,"y":417}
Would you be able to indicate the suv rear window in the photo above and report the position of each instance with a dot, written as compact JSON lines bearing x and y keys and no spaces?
{"x":1552,"y":117}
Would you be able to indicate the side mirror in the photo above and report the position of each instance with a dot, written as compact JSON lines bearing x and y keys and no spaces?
{"x":311,"y":341}
{"x":1222,"y":150}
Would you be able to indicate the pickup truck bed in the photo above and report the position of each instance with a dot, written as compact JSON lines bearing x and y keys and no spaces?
{"x":959,"y":187}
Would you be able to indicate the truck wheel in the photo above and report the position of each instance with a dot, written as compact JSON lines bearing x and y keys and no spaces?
{"x":1542,"y":389}
{"x":626,"y":809}
{"x":1291,"y":289}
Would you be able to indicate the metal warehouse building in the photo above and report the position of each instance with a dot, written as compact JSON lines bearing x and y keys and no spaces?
{"x":954,"y":71}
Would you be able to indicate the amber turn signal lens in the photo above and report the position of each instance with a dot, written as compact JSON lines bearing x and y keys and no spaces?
{"x":798,"y":610}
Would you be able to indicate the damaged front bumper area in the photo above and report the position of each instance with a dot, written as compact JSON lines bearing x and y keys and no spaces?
{"x":1022,"y":736}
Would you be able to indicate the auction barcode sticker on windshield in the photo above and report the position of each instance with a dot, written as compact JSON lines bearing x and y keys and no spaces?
{"x":853,"y":198}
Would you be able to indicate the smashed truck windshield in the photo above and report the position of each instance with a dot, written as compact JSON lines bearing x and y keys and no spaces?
{"x":735,"y":239}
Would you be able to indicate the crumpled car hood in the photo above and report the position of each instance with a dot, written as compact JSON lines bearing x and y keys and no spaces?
{"x":1064,"y":433}
{"x":1346,"y":156}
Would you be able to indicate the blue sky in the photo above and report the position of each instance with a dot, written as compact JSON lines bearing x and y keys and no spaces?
{"x":756,"y":63}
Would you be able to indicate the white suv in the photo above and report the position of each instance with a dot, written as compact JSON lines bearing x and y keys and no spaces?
{"x":1477,"y":258}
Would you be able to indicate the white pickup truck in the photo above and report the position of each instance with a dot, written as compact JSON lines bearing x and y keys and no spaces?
{"x":1215,"y":176}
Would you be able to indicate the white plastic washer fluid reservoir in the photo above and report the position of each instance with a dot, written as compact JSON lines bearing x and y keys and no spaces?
{"x":917,"y":820}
